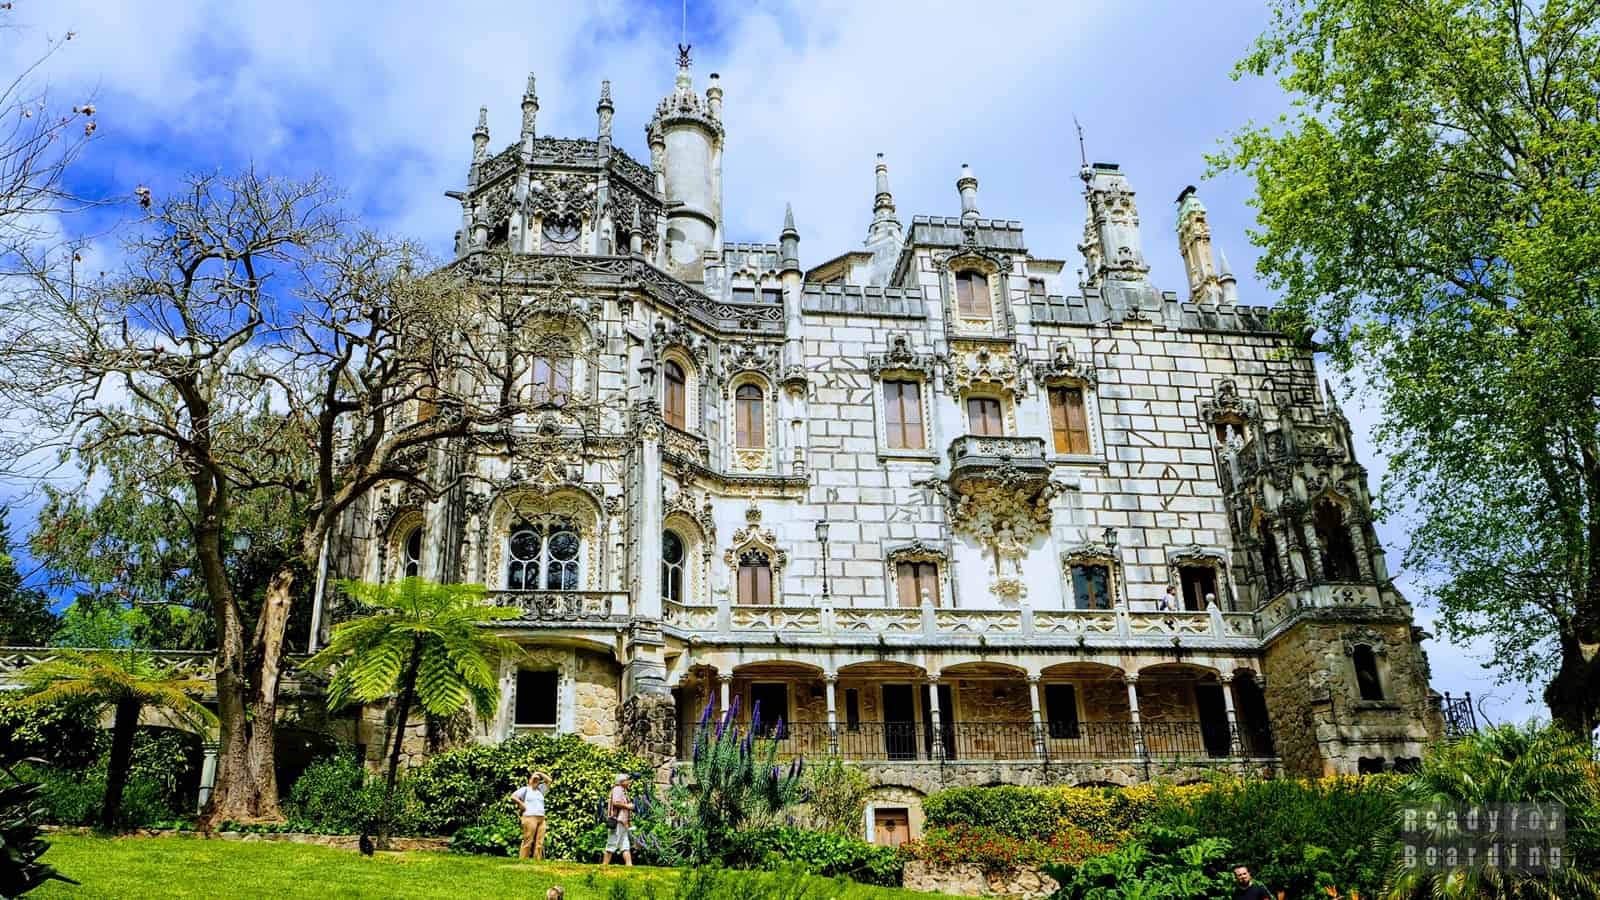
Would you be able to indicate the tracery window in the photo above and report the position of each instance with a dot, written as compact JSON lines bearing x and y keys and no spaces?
{"x":1069,"y":421}
{"x":755,"y":578}
{"x":543,"y":555}
{"x":984,"y":416}
{"x":972,"y":295}
{"x":675,"y":404}
{"x":902,"y":408}
{"x":672,"y":559}
{"x":749,"y":418}
{"x":411,"y":554}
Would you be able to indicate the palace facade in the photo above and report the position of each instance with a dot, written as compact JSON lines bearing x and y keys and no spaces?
{"x":952,"y":509}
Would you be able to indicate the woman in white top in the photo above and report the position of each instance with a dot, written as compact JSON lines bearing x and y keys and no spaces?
{"x":530,"y":805}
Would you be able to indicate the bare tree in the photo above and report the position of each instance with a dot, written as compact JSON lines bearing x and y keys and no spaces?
{"x":38,"y":143}
{"x":248,"y":295}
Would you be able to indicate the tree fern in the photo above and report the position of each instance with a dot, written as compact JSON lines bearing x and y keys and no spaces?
{"x":424,"y":643}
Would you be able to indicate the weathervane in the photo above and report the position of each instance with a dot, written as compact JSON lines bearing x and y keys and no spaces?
{"x":1082,"y":153}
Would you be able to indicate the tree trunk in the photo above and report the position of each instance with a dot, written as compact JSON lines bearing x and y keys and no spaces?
{"x":266,"y":663}
{"x":1573,"y":693}
{"x":408,"y":691}
{"x":125,"y":724}
{"x":234,"y":796}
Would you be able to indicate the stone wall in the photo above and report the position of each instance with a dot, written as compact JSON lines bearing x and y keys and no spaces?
{"x":1021,"y":883}
{"x":596,"y":698}
{"x":1319,"y":721}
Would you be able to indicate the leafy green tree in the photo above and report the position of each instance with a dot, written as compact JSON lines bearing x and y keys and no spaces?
{"x":127,"y":681}
{"x":26,"y":619}
{"x":423,"y":643}
{"x":1508,"y":764}
{"x":1428,"y":210}
{"x":1160,"y":864}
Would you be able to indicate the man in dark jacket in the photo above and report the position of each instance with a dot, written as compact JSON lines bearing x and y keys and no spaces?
{"x":1245,"y":888}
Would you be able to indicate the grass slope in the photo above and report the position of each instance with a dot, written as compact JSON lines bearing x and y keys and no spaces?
{"x":169,"y":867}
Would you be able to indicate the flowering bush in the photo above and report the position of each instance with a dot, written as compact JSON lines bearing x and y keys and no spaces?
{"x":994,"y":851}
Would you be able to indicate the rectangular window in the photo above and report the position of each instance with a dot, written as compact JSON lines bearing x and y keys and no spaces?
{"x":536,"y":698}
{"x":755,"y":583}
{"x":852,"y":709}
{"x":1091,"y":585}
{"x":983,"y":417}
{"x":972,"y":296}
{"x":1061,"y":706}
{"x":902,"y":412}
{"x":1069,"y":422}
{"x":773,"y":296}
{"x":771,"y":700}
{"x":744,"y":295}
{"x":913,"y":579}
{"x":1036,"y":289}
{"x":1196,"y":583}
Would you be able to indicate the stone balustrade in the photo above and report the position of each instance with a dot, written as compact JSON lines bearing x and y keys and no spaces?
{"x":1278,"y":612}
{"x":877,"y":624}
{"x":558,"y":608}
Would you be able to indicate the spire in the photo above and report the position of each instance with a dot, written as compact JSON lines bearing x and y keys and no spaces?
{"x":1229,"y":284}
{"x":604,"y":111}
{"x":480,"y":141}
{"x":530,"y":108}
{"x":967,"y":184}
{"x":885,"y":227}
{"x":789,"y":240}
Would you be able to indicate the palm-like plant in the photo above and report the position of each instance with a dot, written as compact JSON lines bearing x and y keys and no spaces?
{"x":127,"y":681}
{"x":1507,"y":764}
{"x":428,"y":643}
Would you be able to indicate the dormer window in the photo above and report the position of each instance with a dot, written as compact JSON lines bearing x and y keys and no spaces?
{"x":972,"y":295}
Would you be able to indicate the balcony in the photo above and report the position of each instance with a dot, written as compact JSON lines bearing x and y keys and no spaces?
{"x":1012,"y":463}
{"x":900,"y":624}
{"x":558,"y":608}
{"x":1018,"y":741}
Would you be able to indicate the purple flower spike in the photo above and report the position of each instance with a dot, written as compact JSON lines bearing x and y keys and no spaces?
{"x":705,"y":717}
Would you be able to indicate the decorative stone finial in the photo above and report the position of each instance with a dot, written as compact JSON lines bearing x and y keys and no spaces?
{"x":480,"y":135}
{"x":604,"y":111}
{"x":967,"y":184}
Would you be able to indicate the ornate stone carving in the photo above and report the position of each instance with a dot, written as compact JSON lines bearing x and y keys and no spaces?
{"x":1226,"y":405}
{"x":753,"y":537}
{"x":901,"y":358}
{"x":562,"y":199}
{"x":1063,"y":365}
{"x":969,"y":365}
{"x":1367,"y":635}
{"x":762,"y":359}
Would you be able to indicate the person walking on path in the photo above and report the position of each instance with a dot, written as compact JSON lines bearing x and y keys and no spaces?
{"x":1245,"y":888}
{"x":619,"y":815}
{"x":530,"y":806}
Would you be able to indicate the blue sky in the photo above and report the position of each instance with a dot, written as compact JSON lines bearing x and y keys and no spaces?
{"x":382,"y":97}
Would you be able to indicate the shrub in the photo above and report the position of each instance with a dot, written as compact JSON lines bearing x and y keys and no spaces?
{"x":835,"y":795}
{"x":1034,"y":814}
{"x":21,"y":842}
{"x":75,"y":797}
{"x":62,"y":734}
{"x":467,"y":788}
{"x":819,"y":853}
{"x":1297,"y":836}
{"x":334,"y":795}
{"x":1173,"y":864}
{"x":996,"y":852}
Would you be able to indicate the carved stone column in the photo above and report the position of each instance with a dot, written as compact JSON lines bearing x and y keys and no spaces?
{"x":647,"y":506}
{"x":208,"y":772}
{"x":1132,"y":681}
{"x":1038,"y":717}
{"x":936,"y":728}
{"x":1235,"y":739}
{"x":725,"y":686}
{"x":829,"y":681}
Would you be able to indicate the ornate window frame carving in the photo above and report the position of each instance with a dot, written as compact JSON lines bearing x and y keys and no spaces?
{"x":528,"y":503}
{"x":1091,"y":553}
{"x":698,"y":530}
{"x":693,"y":383}
{"x":751,"y":459}
{"x":564,"y":662}
{"x":1227,"y":405}
{"x":915,"y":552}
{"x":1212,"y":557}
{"x":900,"y":362}
{"x":753,"y":537}
{"x":996,"y":269}
{"x":1373,"y":640}
{"x":1063,"y":369}
{"x":391,"y":560}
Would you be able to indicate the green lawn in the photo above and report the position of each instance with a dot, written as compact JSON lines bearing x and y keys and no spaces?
{"x":146,"y":867}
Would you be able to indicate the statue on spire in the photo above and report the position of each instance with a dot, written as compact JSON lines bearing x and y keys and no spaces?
{"x":683,"y":55}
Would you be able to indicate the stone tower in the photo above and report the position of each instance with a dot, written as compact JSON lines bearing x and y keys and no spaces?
{"x":1345,"y":681}
{"x":686,"y":138}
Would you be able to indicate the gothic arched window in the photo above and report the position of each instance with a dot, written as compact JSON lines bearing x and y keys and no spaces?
{"x":750,"y":424}
{"x":411,"y":554}
{"x":755,"y":578}
{"x":1338,"y":554}
{"x":543,"y":555}
{"x":1271,"y":569}
{"x":1367,"y":681}
{"x":672,"y":559}
{"x":675,"y":403}
{"x":550,"y":375}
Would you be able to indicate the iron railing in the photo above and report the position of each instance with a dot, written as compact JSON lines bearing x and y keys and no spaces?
{"x":1021,"y":741}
